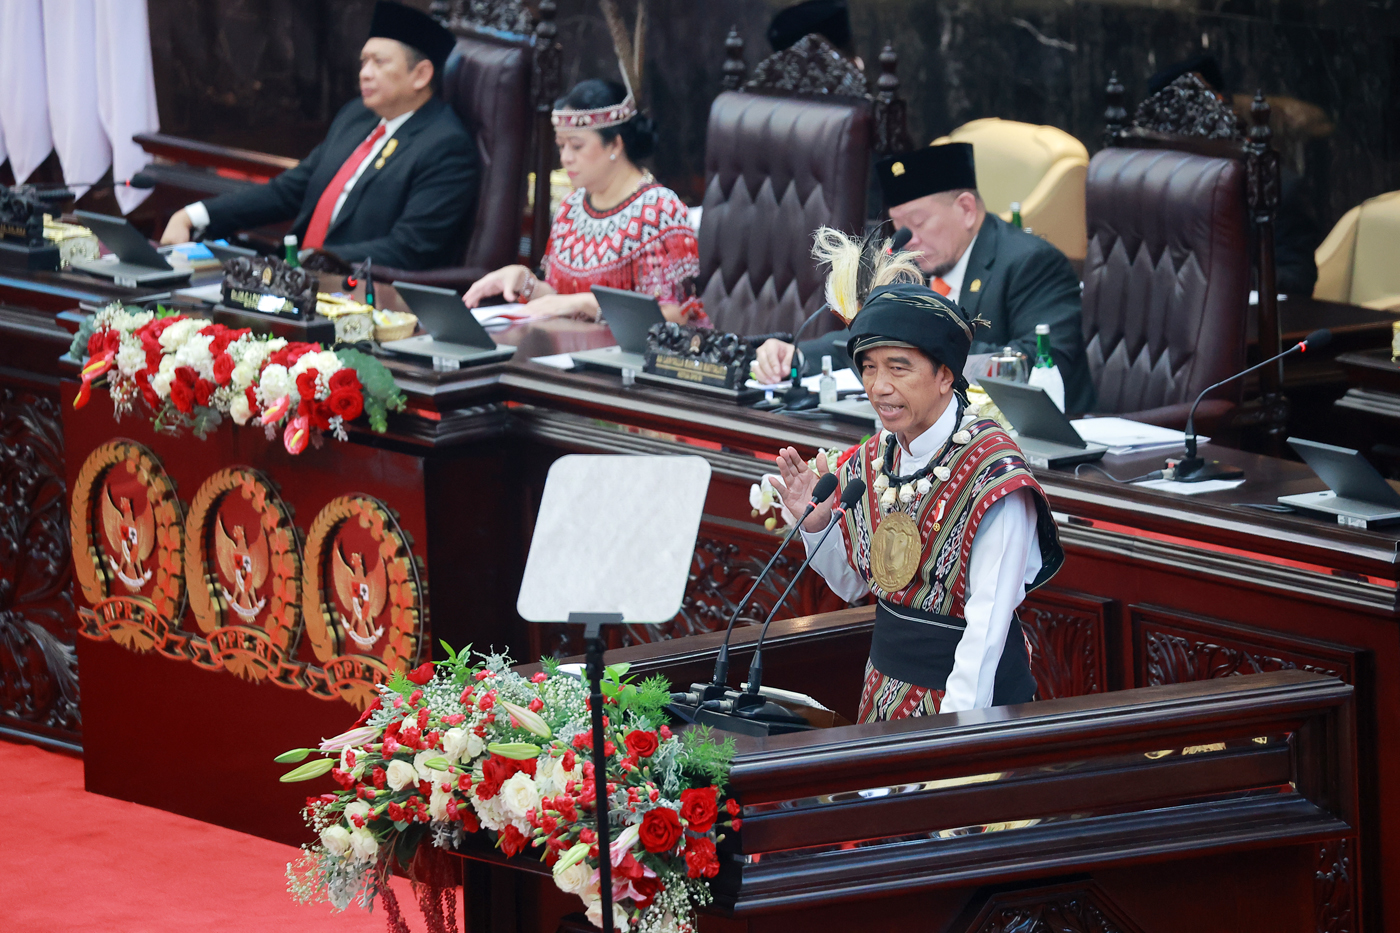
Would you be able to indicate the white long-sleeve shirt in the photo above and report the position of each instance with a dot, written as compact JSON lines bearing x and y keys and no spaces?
{"x":199,"y":214}
{"x":1005,"y":559}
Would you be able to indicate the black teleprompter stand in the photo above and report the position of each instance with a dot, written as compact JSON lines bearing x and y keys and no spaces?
{"x":594,"y":647}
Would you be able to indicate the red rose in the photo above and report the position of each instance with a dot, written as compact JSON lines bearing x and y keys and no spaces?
{"x":186,"y":377}
{"x":321,"y":415}
{"x":512,"y":840}
{"x":223,"y":368}
{"x":148,"y":393}
{"x":469,"y":821}
{"x":252,"y":397}
{"x":182,"y":396}
{"x":306,"y":384}
{"x":660,"y":830}
{"x":495,"y":771}
{"x":292,"y":352}
{"x":647,"y":889}
{"x":700,"y":859}
{"x":421,"y":674}
{"x":641,"y":744}
{"x":344,"y":379}
{"x":698,"y":808}
{"x":346,"y":403}
{"x":203,"y":389}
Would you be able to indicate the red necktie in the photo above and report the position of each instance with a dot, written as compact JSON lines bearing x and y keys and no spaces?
{"x":321,"y":218}
{"x":938,"y":285}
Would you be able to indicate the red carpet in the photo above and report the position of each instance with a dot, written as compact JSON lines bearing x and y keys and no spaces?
{"x":72,"y":861}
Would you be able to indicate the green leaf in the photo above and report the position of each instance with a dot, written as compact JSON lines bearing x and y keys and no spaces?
{"x":293,"y":756}
{"x":617,"y":671}
{"x":308,"y":771}
{"x":451,"y":654}
{"x":400,"y":684}
{"x":518,"y":751}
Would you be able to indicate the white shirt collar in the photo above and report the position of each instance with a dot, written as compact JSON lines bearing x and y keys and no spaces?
{"x":922,"y":448}
{"x":955,"y":276}
{"x":392,"y":126}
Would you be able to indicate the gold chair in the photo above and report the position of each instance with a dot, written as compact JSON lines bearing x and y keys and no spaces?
{"x":1040,"y":166}
{"x":1356,"y":263}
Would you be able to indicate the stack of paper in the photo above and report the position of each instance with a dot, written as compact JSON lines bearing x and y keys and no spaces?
{"x":845,"y":381}
{"x":1122,"y":436}
{"x":500,"y":316}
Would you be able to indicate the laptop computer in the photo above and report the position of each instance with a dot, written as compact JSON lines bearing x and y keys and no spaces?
{"x":1357,"y":494}
{"x":138,"y":261}
{"x":629,"y":316}
{"x":1046,"y":436}
{"x":453,"y":332}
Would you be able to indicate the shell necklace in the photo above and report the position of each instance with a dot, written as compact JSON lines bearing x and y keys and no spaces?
{"x":904,"y":490}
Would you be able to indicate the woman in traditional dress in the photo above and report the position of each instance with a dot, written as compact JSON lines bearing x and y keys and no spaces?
{"x":619,"y":227}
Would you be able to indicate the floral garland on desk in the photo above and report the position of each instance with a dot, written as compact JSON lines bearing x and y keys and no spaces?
{"x":190,"y":373}
{"x":460,"y":747}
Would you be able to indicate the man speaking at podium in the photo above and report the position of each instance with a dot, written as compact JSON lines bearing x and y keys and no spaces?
{"x":953,"y":529}
{"x":395,"y":179}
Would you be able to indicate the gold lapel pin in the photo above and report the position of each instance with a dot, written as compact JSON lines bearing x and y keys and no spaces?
{"x":976,"y":285}
{"x":389,"y":148}
{"x":897,"y":169}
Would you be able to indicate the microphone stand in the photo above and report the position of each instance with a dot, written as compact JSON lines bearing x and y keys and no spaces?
{"x":797,"y":397}
{"x":1195,"y":469}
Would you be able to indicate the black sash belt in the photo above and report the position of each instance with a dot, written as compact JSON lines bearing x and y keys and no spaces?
{"x":919,"y":648}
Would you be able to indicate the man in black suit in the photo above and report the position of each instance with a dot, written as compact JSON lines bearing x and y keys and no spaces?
{"x":992,"y":269}
{"x":395,"y":179}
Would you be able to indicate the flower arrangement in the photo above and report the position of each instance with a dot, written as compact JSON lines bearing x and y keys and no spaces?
{"x":461,"y":747}
{"x":763,"y":498}
{"x":190,"y":373}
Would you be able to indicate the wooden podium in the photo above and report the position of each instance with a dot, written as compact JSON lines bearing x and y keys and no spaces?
{"x":1185,"y":807}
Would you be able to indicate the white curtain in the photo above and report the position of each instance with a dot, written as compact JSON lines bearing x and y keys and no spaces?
{"x":24,"y":100}
{"x":97,"y":90}
{"x":126,"y":89}
{"x":70,"y":53}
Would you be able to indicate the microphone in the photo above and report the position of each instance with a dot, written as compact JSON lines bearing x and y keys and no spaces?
{"x":796,"y":397}
{"x":849,"y":497}
{"x":826,"y":485}
{"x":902,"y":236}
{"x":62,"y":191}
{"x":1195,"y":469}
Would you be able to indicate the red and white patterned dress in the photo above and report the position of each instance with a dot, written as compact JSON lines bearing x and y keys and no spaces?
{"x":645,"y":244}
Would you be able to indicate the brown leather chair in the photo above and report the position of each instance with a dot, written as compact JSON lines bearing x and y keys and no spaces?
{"x":487,"y":82}
{"x":1166,"y":282}
{"x":776,"y":168}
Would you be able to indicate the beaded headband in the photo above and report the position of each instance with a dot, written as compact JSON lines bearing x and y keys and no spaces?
{"x":598,"y":119}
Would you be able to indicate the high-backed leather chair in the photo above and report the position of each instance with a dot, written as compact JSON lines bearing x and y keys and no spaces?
{"x":1166,"y":282}
{"x":776,"y":169}
{"x":1356,"y":264}
{"x":1041,"y":167}
{"x":487,"y":83}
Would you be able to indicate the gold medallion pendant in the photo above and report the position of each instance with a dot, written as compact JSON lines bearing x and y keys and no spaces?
{"x":895,"y":551}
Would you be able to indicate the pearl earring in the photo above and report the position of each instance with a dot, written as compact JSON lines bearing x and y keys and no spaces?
{"x":613,"y":157}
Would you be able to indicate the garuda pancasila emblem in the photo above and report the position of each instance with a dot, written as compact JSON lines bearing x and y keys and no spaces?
{"x":246,"y":565}
{"x":130,"y":538}
{"x":363,"y":592}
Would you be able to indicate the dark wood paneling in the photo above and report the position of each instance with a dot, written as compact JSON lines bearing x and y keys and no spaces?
{"x":1068,"y":634}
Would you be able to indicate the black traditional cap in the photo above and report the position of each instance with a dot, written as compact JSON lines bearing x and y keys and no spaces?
{"x":828,"y":18}
{"x":913,"y":175}
{"x":415,"y":28}
{"x":907,"y":315}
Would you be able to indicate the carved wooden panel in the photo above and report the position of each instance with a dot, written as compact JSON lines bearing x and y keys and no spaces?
{"x":1067,"y":632}
{"x":1077,"y":907}
{"x":1172,"y":647}
{"x":38,"y":663}
{"x":1334,"y":887}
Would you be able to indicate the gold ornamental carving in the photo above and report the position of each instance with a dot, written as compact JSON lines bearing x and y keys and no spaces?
{"x":244,"y":577}
{"x":367,"y":622}
{"x":895,"y":552}
{"x":127,"y":534}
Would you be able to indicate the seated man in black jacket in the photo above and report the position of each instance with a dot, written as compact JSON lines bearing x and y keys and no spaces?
{"x":992,"y":269}
{"x":395,"y":179}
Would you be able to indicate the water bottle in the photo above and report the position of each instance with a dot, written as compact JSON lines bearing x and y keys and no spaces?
{"x":826,"y":386}
{"x":1015,"y":213}
{"x":1045,"y":373}
{"x":289,"y":250}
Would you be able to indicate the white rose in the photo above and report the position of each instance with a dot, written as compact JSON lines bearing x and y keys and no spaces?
{"x":437,"y":803}
{"x":454,"y":743}
{"x":243,"y":374}
{"x":475,"y":746}
{"x":490,"y":812}
{"x":595,"y":914}
{"x":559,"y":776}
{"x":275,"y":344}
{"x":357,"y":808}
{"x":519,"y":794}
{"x":160,"y":383}
{"x":239,"y":409}
{"x":363,"y":844}
{"x":420,"y":765}
{"x":400,"y":774}
{"x":336,"y":839}
{"x":576,"y":879}
{"x":176,"y":334}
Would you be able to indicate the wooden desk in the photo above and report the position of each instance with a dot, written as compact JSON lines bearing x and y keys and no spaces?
{"x":1157,"y":589}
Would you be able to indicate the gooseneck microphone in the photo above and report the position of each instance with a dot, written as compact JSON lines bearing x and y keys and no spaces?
{"x":796,"y":397}
{"x":1193,"y":468}
{"x":849,"y":497}
{"x":826,"y":485}
{"x":902,"y":236}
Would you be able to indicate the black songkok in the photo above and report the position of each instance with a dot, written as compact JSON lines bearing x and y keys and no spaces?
{"x":907,"y":315}
{"x":828,"y":18}
{"x":415,"y":28}
{"x":930,"y":170}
